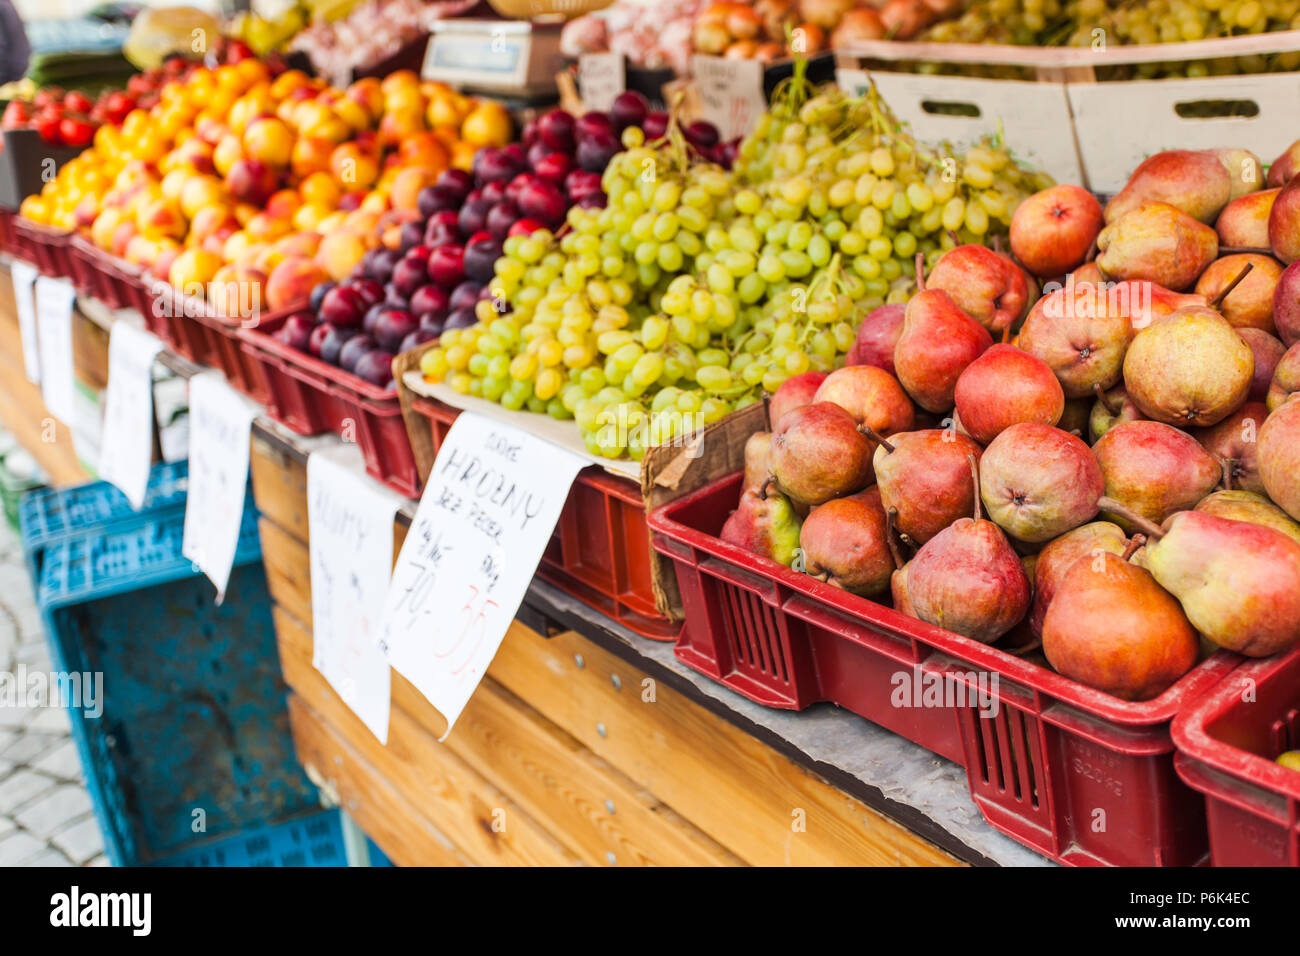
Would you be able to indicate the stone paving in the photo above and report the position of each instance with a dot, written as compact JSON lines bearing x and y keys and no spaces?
{"x":45,"y":812}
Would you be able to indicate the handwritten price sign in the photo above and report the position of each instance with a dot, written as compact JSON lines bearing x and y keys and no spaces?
{"x":731,"y":93}
{"x":485,"y":517}
{"x":351,"y":525}
{"x":128,"y":411}
{"x":54,"y":299}
{"x":24,"y":276}
{"x":220,"y":421}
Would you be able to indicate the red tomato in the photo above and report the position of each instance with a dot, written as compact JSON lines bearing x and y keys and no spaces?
{"x":75,"y":132}
{"x":46,"y":122}
{"x":49,"y":96}
{"x":16,"y":115}
{"x":76,"y":102}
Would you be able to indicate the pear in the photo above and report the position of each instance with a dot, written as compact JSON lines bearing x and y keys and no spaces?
{"x":1282,"y":169}
{"x":1245,"y":301}
{"x":819,"y":454}
{"x":1111,"y":408}
{"x":765,"y":524}
{"x":1074,"y":417}
{"x":1245,"y":171}
{"x":1197,"y":182}
{"x":1003,"y":387}
{"x":968,"y":579}
{"x":871,"y":395}
{"x":1249,"y":506}
{"x":1189,"y":369}
{"x":1159,"y":243}
{"x":1234,"y":441}
{"x":1086,"y":541}
{"x":1238,"y":582}
{"x":1038,"y":482}
{"x":1284,"y":222}
{"x":1081,"y":332}
{"x":795,"y":391}
{"x":1286,"y":379}
{"x":988,"y":287}
{"x":924,"y":477}
{"x":758,"y":453}
{"x":1154,"y":469}
{"x":1286,"y":305}
{"x":1268,"y":351}
{"x":1112,"y":627}
{"x":1244,"y":221}
{"x":1278,"y":449}
{"x":938,"y":341}
{"x":845,"y":542}
{"x":898,"y":592}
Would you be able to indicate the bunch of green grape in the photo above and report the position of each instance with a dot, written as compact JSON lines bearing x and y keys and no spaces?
{"x":1086,"y":23}
{"x":695,"y":290}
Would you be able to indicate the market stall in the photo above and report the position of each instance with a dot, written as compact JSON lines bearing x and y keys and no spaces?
{"x":826,"y":437}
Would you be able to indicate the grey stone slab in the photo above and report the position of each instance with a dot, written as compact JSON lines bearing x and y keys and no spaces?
{"x":81,"y":841}
{"x":52,"y":812}
{"x":6,"y":825}
{"x":21,"y":787}
{"x":100,"y":860}
{"x":19,"y":847}
{"x":30,"y":747}
{"x":48,"y":857}
{"x":50,"y":720}
{"x":60,"y":761}
{"x":14,"y":718}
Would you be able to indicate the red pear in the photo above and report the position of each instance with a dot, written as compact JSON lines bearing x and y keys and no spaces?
{"x":938,"y":341}
{"x":1158,"y":243}
{"x":845,"y":541}
{"x":1284,"y":168}
{"x":1052,"y":231}
{"x":765,"y":524}
{"x":1286,"y":305}
{"x":1268,"y":351}
{"x":1111,"y":408}
{"x":1284,"y":222}
{"x":1248,"y":302}
{"x":1243,"y":224}
{"x":1286,"y":379}
{"x":1235,"y":442}
{"x":794,"y":391}
{"x":1194,"y":181}
{"x":1085,"y":541}
{"x":1038,"y":482}
{"x":1003,"y":387}
{"x":988,"y":287}
{"x":871,"y":395}
{"x":877,"y":336}
{"x":819,"y":454}
{"x":1155,"y":469}
{"x":1081,"y":332}
{"x":758,"y":451}
{"x":925,"y":477}
{"x":1279,"y":457}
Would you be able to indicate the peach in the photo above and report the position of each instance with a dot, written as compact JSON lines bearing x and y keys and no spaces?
{"x":424,"y":149}
{"x":353,"y":168}
{"x":86,"y":211}
{"x":320,"y":189}
{"x":339,"y":253}
{"x":375,"y":202}
{"x":208,"y":220}
{"x":265,"y":227}
{"x":309,"y":216}
{"x":167,"y":253}
{"x":237,"y":290}
{"x":173,"y":182}
{"x":101,"y":230}
{"x":407,"y":185}
{"x":244,"y":212}
{"x":140,"y":251}
{"x":192,"y":270}
{"x":310,"y":155}
{"x":353,"y":113}
{"x":331,"y":223}
{"x":193,"y":154}
{"x":201,"y":191}
{"x":283,"y":204}
{"x":159,"y":219}
{"x":488,"y":124}
{"x":367,"y":93}
{"x":290,"y":283}
{"x":302,"y":244}
{"x":269,"y":140}
{"x":287,"y":82}
{"x":236,"y":247}
{"x":227,"y":151}
{"x":122,"y":235}
{"x":210,"y":131}
{"x":216,"y":242}
{"x":397,"y":125}
{"x":251,"y":181}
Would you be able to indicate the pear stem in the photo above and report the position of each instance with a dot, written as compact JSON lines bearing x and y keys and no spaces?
{"x":1218,"y":299}
{"x":762,"y":489}
{"x":891,"y":517}
{"x":1137,"y":541}
{"x":1006,"y":334}
{"x":1092,"y":252}
{"x":975,"y":476}
{"x":1142,"y":523}
{"x":1106,"y":403}
{"x":952,"y":234}
{"x":1245,"y":250}
{"x":1027,"y":649}
{"x":997,"y":244}
{"x":920,"y":272}
{"x":876,"y":437}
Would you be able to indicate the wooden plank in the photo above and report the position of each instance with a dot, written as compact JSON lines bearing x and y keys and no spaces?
{"x":751,"y":799}
{"x":23,"y":408}
{"x":400,"y":829}
{"x":555,"y":779}
{"x":279,"y":486}
{"x":288,"y":570}
{"x":484,"y":823}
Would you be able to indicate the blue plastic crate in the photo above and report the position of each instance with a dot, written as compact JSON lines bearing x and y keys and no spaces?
{"x":312,"y":840}
{"x":193,"y":745}
{"x":51,"y":514}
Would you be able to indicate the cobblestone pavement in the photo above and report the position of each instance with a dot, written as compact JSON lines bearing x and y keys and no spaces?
{"x":45,"y":813}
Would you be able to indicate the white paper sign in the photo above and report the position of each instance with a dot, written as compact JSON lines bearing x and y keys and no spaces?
{"x":220,"y":422}
{"x":54,"y":299}
{"x":601,"y":77}
{"x":351,"y":527}
{"x":24,"y":275}
{"x":485,"y":517}
{"x":731,"y":93}
{"x":127,"y":446}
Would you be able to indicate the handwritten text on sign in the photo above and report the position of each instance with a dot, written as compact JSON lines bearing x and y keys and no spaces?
{"x":731,"y":93}
{"x":485,"y":517}
{"x":601,"y":77}
{"x":128,"y":411}
{"x":220,"y":422}
{"x":351,"y":532}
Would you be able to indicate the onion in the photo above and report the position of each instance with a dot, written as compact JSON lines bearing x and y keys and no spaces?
{"x":860,"y":24}
{"x":824,"y":13}
{"x":904,"y":19}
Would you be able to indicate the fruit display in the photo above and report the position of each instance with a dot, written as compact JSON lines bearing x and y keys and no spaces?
{"x":653,"y":36}
{"x":239,"y":181}
{"x":433,"y":268}
{"x":697,"y":290}
{"x":370,"y":32}
{"x":1107,"y":486}
{"x":1082,"y":23}
{"x":67,"y":119}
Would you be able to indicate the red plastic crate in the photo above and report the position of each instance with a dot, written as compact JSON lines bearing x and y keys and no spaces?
{"x":100,"y":275}
{"x":49,"y":249}
{"x":1074,"y":773}
{"x":197,"y":332}
{"x":600,"y":552}
{"x":1227,"y":742}
{"x":310,"y":396}
{"x":7,"y":240}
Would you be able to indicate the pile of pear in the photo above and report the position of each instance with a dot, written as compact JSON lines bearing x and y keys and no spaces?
{"x":1085,"y":450}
